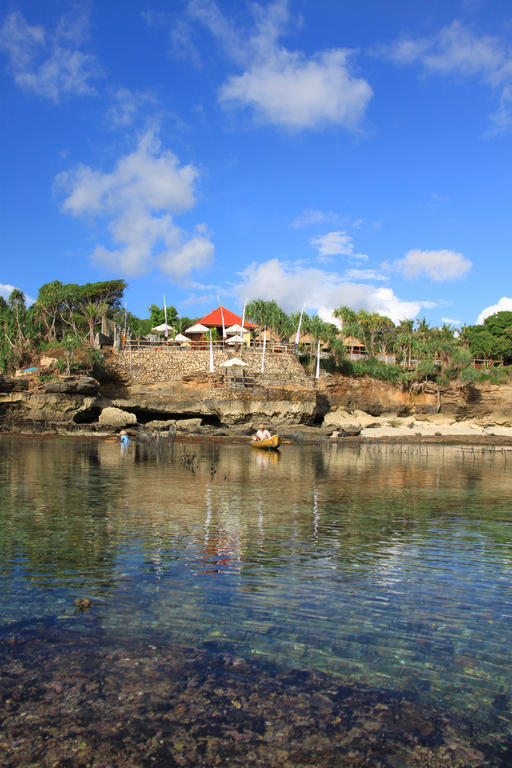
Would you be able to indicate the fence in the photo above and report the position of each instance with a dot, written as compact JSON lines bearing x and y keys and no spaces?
{"x":271,"y":346}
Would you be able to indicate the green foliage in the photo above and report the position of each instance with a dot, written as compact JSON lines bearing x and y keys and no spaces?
{"x":270,"y":314}
{"x":374,"y":369}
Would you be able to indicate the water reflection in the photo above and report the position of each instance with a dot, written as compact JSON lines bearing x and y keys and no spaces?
{"x":386,"y":565}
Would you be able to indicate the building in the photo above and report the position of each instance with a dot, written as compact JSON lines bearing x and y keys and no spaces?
{"x":223,"y":320}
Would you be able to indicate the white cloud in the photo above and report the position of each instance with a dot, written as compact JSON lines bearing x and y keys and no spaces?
{"x":336,"y":244}
{"x":50,"y":64}
{"x":503,"y":305}
{"x":437,"y":265}
{"x":283,"y":87}
{"x":364,"y":274}
{"x":126,"y":106}
{"x":291,"y":90}
{"x":502,"y":118}
{"x":321,"y":291}
{"x":311,"y":216}
{"x":450,"y":321}
{"x":6,"y":290}
{"x":457,"y":50}
{"x":137,"y":200}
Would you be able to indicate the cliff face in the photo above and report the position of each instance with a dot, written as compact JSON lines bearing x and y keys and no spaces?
{"x":73,"y":401}
{"x":484,"y":402}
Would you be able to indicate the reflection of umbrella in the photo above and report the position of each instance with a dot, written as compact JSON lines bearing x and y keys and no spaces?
{"x":163,"y":327}
{"x":233,"y":361}
{"x":181,"y":337}
{"x":235,"y":329}
{"x":197,"y":328}
{"x":235,"y":340}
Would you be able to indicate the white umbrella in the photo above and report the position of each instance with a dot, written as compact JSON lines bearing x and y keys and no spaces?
{"x":197,"y":328}
{"x":181,"y":337}
{"x":233,"y":361}
{"x":235,"y":329}
{"x":235,"y":340}
{"x":161,"y":328}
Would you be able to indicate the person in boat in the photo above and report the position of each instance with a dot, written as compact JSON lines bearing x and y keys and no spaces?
{"x":262,"y":433}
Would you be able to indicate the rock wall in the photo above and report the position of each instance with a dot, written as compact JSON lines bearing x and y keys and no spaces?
{"x":172,"y":364}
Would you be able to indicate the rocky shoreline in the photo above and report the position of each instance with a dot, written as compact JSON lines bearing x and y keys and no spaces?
{"x":337,"y":409}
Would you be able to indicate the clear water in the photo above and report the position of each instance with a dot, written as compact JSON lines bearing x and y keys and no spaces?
{"x":388,"y":566}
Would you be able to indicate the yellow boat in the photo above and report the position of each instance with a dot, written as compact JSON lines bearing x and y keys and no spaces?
{"x":270,"y":444}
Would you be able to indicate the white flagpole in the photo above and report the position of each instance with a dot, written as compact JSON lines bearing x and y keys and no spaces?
{"x":223,"y":326}
{"x":298,"y":329}
{"x":243,"y":318}
{"x":165,"y":314}
{"x":263,"y":351}
{"x":211,"y":352}
{"x":317,"y":376}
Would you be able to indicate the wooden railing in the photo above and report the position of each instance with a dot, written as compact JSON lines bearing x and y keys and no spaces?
{"x":270,"y":346}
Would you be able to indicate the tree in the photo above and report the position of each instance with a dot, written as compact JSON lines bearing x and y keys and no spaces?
{"x":269,"y":314}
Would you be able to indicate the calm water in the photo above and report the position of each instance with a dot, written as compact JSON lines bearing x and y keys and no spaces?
{"x":390,"y":567}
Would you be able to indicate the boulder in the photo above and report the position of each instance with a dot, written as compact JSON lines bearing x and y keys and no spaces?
{"x":188,"y":425}
{"x":350,"y":430}
{"x":115,"y":417}
{"x":161,"y":425}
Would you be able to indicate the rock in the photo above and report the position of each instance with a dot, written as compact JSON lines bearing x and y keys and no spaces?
{"x":13,"y":384}
{"x":82,"y":603}
{"x":115,"y":417}
{"x":47,"y":362}
{"x":86,"y":385}
{"x":351,"y":430}
{"x":188,"y":425}
{"x":161,"y":425}
{"x":72,"y":385}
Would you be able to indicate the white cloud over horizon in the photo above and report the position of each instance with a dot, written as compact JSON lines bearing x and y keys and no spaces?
{"x":437,"y":265}
{"x":503,"y":305}
{"x":320,"y":291}
{"x":137,"y":201}
{"x":283,"y":87}
{"x":50,"y":64}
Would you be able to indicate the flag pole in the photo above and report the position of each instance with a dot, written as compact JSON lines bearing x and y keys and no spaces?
{"x":211,"y":353}
{"x":317,"y":375}
{"x":165,"y":315}
{"x":298,"y":328}
{"x":263,"y":351}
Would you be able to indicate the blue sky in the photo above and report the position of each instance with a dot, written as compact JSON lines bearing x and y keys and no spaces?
{"x":318,"y":153}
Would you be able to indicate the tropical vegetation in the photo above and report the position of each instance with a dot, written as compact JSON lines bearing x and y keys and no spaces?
{"x":66,"y":317}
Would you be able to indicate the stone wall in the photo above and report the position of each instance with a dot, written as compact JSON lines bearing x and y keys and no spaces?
{"x":147,"y":366}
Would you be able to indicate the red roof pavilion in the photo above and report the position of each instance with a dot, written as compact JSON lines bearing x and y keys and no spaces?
{"x":214,"y":319}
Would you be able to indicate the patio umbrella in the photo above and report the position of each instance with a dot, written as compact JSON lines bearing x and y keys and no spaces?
{"x":197,"y":328}
{"x":233,"y":361}
{"x":235,"y":329}
{"x":162,"y":327}
{"x":180,"y":337}
{"x":235,"y":340}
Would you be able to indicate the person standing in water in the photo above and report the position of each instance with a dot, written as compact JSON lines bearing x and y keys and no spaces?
{"x":124,"y":439}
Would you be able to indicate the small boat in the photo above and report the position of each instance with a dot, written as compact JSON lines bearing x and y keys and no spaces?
{"x":270,"y":444}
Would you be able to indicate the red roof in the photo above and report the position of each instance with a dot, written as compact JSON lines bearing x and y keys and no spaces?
{"x":214,"y":319}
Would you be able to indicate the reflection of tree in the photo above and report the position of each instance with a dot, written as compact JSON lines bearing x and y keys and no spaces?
{"x":71,"y":506}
